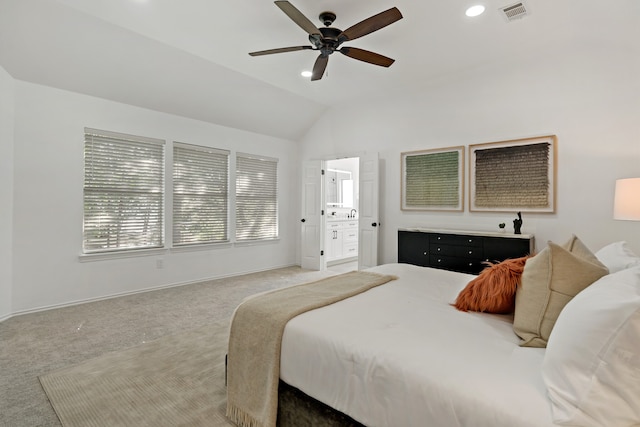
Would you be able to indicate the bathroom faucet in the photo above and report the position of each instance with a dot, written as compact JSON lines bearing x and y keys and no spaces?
{"x":352,"y":214}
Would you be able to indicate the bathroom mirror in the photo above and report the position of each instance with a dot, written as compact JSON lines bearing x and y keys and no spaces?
{"x":339,"y":188}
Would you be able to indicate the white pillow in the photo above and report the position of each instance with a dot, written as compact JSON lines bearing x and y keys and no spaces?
{"x":617,"y":256}
{"x":592,"y":363}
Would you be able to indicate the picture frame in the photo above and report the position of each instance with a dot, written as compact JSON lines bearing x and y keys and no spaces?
{"x":513,"y":176}
{"x":433,"y":180}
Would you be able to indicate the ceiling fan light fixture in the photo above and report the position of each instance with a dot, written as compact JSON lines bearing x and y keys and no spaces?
{"x":306,"y":73}
{"x":475,"y":10}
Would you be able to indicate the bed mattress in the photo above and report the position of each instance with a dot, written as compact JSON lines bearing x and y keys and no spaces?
{"x":401,"y":355}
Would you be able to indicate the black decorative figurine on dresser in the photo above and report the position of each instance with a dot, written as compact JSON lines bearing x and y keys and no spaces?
{"x":517,"y":224}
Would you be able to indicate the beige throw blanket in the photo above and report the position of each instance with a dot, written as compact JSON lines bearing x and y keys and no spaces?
{"x":256,"y":335}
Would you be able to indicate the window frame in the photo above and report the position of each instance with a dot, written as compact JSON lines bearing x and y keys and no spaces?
{"x":212,"y":157}
{"x":235,"y":168}
{"x":272,"y":185}
{"x":96,"y":181}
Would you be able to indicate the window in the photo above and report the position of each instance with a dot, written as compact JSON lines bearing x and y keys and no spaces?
{"x":123,"y":192}
{"x":200,"y":195}
{"x":256,"y":197}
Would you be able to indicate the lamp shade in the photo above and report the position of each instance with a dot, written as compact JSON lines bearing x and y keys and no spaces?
{"x":626,"y":204}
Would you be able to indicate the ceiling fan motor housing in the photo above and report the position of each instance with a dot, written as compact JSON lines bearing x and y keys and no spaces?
{"x":328,"y":40}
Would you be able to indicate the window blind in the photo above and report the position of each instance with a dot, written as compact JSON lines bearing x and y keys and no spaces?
{"x":123,"y":192}
{"x":256,"y":197}
{"x":200,"y":194}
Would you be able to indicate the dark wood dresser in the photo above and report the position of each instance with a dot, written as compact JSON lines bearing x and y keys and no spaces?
{"x":463,"y":251}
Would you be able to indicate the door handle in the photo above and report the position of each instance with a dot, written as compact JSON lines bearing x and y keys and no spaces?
{"x":303,"y":220}
{"x":374,"y":224}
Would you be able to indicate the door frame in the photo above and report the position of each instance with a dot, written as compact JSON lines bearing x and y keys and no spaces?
{"x":371,"y":233}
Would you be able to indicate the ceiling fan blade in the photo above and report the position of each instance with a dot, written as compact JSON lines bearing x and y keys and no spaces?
{"x":297,"y":17}
{"x":280,"y":50}
{"x":319,"y":67}
{"x":371,"y":24}
{"x":367,"y":56}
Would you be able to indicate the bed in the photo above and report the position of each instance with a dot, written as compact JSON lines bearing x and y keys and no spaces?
{"x":390,"y":375}
{"x":399,"y":354}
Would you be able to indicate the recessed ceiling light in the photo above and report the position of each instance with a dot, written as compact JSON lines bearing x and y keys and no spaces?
{"x":306,"y":74}
{"x":475,"y":10}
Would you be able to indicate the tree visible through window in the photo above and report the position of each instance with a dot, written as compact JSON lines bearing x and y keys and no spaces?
{"x":256,"y":197}
{"x":123,"y":192}
{"x":200,"y":194}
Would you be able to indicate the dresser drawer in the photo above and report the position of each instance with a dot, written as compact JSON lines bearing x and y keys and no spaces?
{"x":456,"y":264}
{"x":471,"y":252}
{"x":458,"y":240}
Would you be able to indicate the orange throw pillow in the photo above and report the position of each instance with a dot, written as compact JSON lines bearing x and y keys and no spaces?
{"x":494,"y":290}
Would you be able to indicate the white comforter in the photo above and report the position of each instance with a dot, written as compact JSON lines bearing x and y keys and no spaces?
{"x":399,"y":355}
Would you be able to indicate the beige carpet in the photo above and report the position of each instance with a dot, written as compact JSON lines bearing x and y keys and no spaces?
{"x":176,"y":380}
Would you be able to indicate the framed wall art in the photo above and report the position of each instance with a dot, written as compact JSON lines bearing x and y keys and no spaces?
{"x":433,"y":180}
{"x":513,"y":176}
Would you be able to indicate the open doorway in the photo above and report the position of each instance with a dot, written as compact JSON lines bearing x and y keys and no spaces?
{"x":313,"y":221}
{"x":341,"y":181}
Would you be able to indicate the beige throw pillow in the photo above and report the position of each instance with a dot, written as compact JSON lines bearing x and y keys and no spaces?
{"x":549,"y":281}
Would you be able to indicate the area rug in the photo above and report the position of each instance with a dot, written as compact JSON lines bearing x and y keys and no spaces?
{"x":176,"y":380}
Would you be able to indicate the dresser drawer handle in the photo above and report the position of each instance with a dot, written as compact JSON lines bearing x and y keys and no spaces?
{"x":470,"y":252}
{"x":439,"y":260}
{"x":424,"y":253}
{"x":439,"y":249}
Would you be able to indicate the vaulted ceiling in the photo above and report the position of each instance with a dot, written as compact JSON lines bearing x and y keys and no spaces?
{"x":190,"y":57}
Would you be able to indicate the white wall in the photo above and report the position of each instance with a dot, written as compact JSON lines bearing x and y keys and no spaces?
{"x":589,"y":97}
{"x":6,"y":191}
{"x":48,"y":164}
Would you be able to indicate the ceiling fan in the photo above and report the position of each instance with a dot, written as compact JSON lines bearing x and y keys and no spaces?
{"x":329,"y":39}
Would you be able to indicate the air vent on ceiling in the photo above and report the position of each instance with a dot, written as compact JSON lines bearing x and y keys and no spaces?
{"x":515,"y":11}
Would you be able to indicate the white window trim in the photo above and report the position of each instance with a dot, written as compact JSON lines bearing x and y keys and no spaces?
{"x":115,"y":253}
{"x":132,"y":253}
{"x":277,"y":207}
{"x":168,"y":246}
{"x":169,"y":205}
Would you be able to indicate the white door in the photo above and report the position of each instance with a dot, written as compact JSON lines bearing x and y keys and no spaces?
{"x":368,"y":222}
{"x":312,"y":230}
